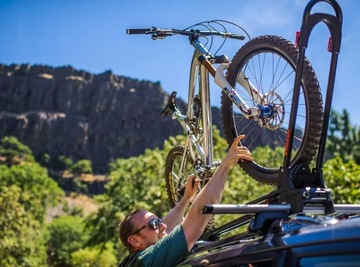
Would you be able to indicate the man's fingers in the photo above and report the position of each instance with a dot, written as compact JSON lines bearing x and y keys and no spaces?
{"x":238,"y":139}
{"x":241,"y":136}
{"x":191,"y":178}
{"x":195,"y":181}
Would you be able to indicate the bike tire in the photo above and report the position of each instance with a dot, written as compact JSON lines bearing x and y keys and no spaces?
{"x":262,"y":59}
{"x":175,"y":176}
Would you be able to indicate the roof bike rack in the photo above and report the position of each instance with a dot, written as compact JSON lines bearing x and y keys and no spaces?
{"x":315,"y":191}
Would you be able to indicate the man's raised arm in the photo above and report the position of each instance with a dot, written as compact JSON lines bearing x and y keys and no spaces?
{"x":195,"y":222}
{"x":176,"y":214}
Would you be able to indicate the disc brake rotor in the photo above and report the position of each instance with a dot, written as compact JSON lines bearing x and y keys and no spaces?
{"x":274,"y":115}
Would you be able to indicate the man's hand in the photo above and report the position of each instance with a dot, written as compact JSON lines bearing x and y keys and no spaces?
{"x":191,"y":187}
{"x":176,"y":215}
{"x":237,"y":152}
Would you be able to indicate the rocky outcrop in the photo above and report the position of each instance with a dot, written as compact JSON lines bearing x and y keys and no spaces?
{"x":73,"y":113}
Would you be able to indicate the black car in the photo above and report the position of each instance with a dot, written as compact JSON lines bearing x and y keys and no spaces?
{"x":299,"y":240}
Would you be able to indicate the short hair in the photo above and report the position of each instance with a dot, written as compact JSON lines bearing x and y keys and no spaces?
{"x":126,"y":227}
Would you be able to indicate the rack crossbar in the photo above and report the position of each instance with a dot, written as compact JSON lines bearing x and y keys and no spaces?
{"x":256,"y":208}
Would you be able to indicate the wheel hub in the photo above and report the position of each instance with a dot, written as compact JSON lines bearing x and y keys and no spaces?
{"x":272,"y":111}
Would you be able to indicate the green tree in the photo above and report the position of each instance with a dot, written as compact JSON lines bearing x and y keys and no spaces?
{"x":67,"y":234}
{"x":12,"y":151}
{"x":82,"y":166}
{"x":22,"y":242}
{"x":343,"y":180}
{"x":31,"y":178}
{"x":26,"y":192}
{"x":94,"y":257}
{"x":62,"y":163}
{"x":343,"y":138}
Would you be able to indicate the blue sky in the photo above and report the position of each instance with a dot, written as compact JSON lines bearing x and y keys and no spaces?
{"x":90,"y":35}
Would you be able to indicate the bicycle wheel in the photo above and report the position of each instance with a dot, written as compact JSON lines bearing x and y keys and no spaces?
{"x":176,"y":173}
{"x":269,"y":63}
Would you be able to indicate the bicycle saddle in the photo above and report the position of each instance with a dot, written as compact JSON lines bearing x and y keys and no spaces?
{"x":171,"y":106}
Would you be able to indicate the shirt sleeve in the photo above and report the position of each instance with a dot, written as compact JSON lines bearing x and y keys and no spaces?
{"x":169,"y":251}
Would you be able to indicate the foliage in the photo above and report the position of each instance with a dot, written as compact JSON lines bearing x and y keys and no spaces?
{"x":67,"y":245}
{"x":62,"y":163}
{"x":31,"y":178}
{"x":18,"y":227}
{"x":82,"y":166}
{"x":343,"y":179}
{"x":94,"y":257}
{"x":44,"y":158}
{"x":67,"y":235}
{"x":26,"y":192}
{"x":343,"y":138}
{"x":14,"y":152}
{"x":79,"y":186}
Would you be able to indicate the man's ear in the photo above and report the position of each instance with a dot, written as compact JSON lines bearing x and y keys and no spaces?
{"x":134,"y":241}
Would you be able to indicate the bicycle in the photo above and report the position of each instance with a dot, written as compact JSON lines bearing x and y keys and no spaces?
{"x":255,"y":100}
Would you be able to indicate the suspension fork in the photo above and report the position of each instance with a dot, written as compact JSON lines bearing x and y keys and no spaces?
{"x":221,"y":81}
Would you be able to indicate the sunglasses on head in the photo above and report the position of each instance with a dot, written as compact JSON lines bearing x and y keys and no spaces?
{"x":153,"y":224}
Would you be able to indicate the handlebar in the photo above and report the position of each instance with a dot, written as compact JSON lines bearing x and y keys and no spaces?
{"x":158,"y":33}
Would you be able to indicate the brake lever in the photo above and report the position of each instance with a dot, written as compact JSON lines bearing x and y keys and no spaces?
{"x":160,"y":35}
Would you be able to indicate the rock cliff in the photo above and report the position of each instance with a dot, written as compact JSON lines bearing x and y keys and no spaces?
{"x":73,"y":113}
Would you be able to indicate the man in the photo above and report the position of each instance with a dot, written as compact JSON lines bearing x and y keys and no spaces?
{"x":164,"y":242}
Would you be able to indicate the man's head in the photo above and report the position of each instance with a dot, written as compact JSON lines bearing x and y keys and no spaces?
{"x":141,"y":229}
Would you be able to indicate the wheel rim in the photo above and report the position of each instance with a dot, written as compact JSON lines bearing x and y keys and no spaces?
{"x":273,"y":74}
{"x":177,"y":175}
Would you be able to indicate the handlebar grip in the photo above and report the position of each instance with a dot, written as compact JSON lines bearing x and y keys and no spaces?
{"x":238,"y":36}
{"x":138,"y":31}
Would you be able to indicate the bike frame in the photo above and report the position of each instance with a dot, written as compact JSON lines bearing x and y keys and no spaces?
{"x":200,"y":69}
{"x":198,"y":84}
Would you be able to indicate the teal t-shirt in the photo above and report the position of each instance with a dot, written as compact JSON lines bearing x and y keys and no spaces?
{"x":168,"y":252}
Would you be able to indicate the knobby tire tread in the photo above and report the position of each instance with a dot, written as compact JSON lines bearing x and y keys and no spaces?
{"x":311,"y":91}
